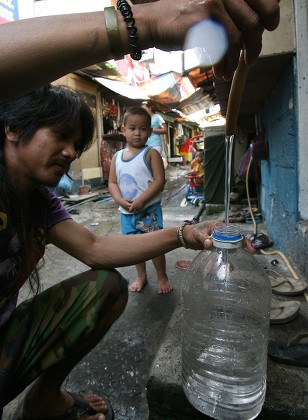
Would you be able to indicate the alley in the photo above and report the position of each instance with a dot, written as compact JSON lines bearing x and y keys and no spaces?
{"x":119,"y":366}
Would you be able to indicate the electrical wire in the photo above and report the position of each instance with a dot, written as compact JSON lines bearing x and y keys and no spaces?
{"x":248,"y":197}
{"x":274,"y":252}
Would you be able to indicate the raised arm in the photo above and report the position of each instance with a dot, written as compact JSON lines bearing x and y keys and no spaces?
{"x":39,"y":50}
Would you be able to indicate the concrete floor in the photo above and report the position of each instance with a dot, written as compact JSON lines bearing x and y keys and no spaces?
{"x":119,"y":366}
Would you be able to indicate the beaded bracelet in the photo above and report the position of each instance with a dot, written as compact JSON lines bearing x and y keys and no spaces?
{"x":127,"y":14}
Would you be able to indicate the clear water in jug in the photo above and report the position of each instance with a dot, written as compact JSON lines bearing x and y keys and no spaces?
{"x":226,"y":312}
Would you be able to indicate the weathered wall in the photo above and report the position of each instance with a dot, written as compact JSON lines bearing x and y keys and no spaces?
{"x":282,"y":39}
{"x":279,"y":198}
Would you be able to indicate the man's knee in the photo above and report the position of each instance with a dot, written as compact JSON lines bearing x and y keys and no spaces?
{"x":116,"y":282}
{"x":114,"y":288}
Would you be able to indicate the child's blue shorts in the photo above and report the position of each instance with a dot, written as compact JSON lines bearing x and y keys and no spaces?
{"x":145,"y":221}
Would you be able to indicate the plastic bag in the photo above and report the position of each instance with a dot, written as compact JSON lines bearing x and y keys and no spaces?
{"x":65,"y":183}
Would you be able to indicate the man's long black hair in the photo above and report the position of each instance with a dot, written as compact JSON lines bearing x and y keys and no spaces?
{"x":45,"y":107}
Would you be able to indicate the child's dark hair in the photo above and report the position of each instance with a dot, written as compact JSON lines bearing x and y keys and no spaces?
{"x":137,"y":110}
{"x":48,"y":106}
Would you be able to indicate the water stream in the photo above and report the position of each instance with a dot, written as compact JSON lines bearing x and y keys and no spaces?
{"x":228,"y":163}
{"x":229,"y":149}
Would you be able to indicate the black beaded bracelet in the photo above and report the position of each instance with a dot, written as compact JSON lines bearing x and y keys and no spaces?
{"x":127,"y":14}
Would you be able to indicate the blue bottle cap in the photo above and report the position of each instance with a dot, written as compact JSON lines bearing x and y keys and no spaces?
{"x":227,"y":234}
{"x":227,"y":238}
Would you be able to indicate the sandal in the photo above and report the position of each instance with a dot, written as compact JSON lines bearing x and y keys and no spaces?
{"x":257,"y":217}
{"x":183,"y":264}
{"x":237,"y":216}
{"x":294,"y":352}
{"x":282,"y":312}
{"x":288,"y":286}
{"x":80,"y":407}
{"x":248,"y":210}
{"x":260,"y":241}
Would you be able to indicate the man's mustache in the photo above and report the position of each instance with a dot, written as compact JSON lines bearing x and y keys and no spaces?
{"x":65,"y":164}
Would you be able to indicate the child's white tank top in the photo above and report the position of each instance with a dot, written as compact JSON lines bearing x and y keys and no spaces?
{"x":134,"y":176}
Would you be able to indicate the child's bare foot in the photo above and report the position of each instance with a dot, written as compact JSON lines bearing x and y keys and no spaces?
{"x":164,"y":285}
{"x":138,"y":285}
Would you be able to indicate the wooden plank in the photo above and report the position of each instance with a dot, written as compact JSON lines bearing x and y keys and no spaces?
{"x":76,"y":197}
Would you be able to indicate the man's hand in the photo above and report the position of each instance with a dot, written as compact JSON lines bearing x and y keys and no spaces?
{"x":243,"y":20}
{"x":198,"y":236}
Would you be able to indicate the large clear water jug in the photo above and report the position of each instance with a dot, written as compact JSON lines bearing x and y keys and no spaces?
{"x":226,"y":312}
